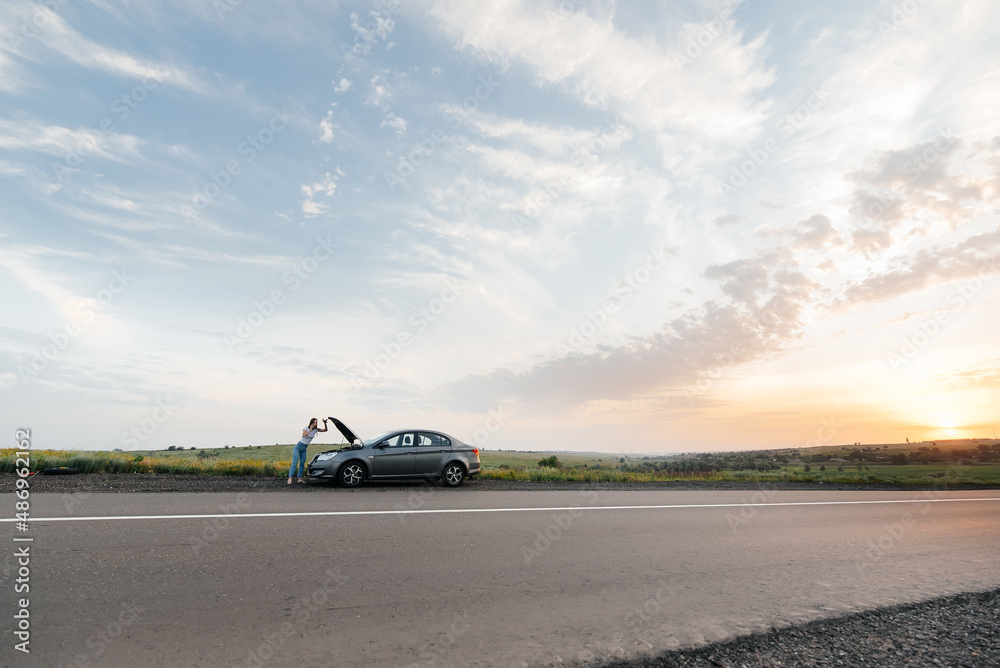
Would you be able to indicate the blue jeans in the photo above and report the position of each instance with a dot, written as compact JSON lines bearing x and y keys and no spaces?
{"x":298,"y":459}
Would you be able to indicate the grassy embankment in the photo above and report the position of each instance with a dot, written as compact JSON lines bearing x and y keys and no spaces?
{"x":274,"y":460}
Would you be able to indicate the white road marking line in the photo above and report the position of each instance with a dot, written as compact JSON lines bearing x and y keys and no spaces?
{"x":443,"y":511}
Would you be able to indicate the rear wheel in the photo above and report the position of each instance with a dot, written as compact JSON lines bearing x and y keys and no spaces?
{"x":453,"y":475}
{"x":351,"y":474}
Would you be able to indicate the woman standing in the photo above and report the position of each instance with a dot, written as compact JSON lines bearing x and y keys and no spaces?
{"x":299,"y":453}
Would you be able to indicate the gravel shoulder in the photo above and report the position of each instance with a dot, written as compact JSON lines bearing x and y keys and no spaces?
{"x":153,"y":482}
{"x":951,"y":631}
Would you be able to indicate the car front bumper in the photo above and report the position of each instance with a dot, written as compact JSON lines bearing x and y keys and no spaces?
{"x":325,"y":469}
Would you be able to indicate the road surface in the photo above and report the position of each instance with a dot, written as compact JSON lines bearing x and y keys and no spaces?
{"x":470,"y":578}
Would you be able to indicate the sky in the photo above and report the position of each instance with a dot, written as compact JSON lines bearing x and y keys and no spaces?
{"x":580,"y":225}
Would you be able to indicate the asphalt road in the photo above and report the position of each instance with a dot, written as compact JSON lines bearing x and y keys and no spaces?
{"x":504,"y":585}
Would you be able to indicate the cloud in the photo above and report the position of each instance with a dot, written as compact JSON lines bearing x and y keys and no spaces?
{"x":870,"y":242}
{"x":326,"y":128}
{"x":982,"y":376}
{"x":380,"y":93}
{"x":343,"y":86}
{"x":395,"y":122}
{"x":741,"y":279}
{"x":815,"y":233}
{"x":975,"y":256}
{"x":692,"y":111}
{"x":911,"y":184}
{"x":29,"y":264}
{"x":56,"y":34}
{"x":12,"y":77}
{"x":376,"y":28}
{"x":669,"y":361}
{"x":11,"y":169}
{"x":33,"y":135}
{"x":768,"y":297}
{"x":327,"y":187}
{"x":182,"y":255}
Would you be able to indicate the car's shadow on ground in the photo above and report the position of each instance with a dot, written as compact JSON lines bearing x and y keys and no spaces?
{"x":385,"y":485}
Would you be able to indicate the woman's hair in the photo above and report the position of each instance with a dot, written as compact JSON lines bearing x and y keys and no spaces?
{"x":316,"y":420}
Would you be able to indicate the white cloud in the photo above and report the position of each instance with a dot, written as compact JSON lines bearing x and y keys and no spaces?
{"x":33,"y":135}
{"x":326,"y":187}
{"x":693,"y":111}
{"x":56,"y":34}
{"x":395,"y":122}
{"x":12,"y":77}
{"x":326,"y":128}
{"x":368,"y":31}
{"x":10,"y":169}
{"x":343,"y":86}
{"x":26,"y":264}
{"x":379,"y":92}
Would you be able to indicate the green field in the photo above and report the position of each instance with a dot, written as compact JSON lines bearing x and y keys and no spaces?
{"x":264,"y":453}
{"x":971,"y":462}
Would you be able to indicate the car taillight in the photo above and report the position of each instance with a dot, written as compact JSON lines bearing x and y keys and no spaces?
{"x":475,"y":451}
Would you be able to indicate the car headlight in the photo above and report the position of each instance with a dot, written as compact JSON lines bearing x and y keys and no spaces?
{"x":323,"y":456}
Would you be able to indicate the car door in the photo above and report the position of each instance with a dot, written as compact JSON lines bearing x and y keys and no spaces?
{"x":431,"y":450}
{"x":394,"y":456}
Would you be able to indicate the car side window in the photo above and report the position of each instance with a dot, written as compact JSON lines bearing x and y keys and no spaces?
{"x":435,"y":440}
{"x":399,"y":441}
{"x":424,"y":440}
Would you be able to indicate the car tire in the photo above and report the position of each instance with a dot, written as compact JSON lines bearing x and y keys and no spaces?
{"x":351,"y":474}
{"x":453,"y":475}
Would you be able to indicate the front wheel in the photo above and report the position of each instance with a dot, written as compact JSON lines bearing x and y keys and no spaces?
{"x":351,"y":474}
{"x":453,"y":475}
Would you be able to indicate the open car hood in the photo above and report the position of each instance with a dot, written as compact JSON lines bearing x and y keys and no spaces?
{"x":351,"y":437}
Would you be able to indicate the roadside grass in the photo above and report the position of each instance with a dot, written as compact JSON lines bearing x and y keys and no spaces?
{"x":889,"y":475}
{"x":517,"y":466}
{"x":497,"y":458}
{"x":263,"y":453}
{"x":122,"y":462}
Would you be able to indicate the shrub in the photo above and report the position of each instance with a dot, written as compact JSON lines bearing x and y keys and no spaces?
{"x":550,"y":462}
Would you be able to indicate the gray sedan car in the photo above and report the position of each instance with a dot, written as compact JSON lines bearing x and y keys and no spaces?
{"x":399,"y":454}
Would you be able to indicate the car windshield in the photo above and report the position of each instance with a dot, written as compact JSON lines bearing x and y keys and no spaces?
{"x":375,"y":439}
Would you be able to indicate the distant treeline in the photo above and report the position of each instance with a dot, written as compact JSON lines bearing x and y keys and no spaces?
{"x":921,"y":455}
